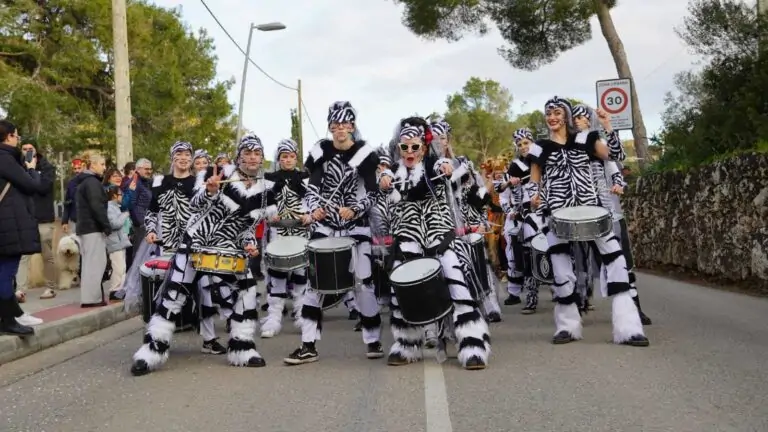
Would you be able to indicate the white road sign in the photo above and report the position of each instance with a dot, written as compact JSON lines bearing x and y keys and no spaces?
{"x":615,"y":97}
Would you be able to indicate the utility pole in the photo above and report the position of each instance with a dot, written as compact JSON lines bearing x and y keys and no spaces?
{"x":301,"y":129}
{"x":123,"y":117}
{"x":242,"y":86}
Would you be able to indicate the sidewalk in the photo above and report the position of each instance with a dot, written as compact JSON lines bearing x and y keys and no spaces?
{"x":64,"y":320}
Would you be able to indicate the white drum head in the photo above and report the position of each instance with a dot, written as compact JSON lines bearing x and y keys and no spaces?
{"x":580,"y":213}
{"x":287,"y":246}
{"x":473,"y":238}
{"x":332,"y":243}
{"x":414,"y":270}
{"x":540,"y":243}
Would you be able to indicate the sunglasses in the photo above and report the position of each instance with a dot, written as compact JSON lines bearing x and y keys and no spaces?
{"x":410,"y":148}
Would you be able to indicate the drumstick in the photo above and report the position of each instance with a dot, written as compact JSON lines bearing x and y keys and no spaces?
{"x":432,"y":179}
{"x":240,"y":180}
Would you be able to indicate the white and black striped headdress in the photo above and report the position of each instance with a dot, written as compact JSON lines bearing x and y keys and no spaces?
{"x":249,"y":142}
{"x":521,"y":134}
{"x":202,"y":154}
{"x":221,"y":156}
{"x":180,"y":146}
{"x":384,"y":157}
{"x":441,"y":128}
{"x":341,"y":112}
{"x":565,"y":105}
{"x":284,"y":146}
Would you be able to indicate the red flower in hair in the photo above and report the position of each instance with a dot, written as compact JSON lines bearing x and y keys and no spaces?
{"x":428,"y":135}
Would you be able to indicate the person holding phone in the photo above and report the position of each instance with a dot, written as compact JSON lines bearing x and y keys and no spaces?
{"x":44,"y":213}
{"x":19,"y":235}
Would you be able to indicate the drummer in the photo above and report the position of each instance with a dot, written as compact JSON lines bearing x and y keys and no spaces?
{"x":563,"y":161}
{"x":381,"y":221}
{"x":165,"y":220}
{"x":341,"y":191}
{"x":473,"y":202}
{"x":423,"y":225}
{"x":289,"y":190}
{"x":225,"y":208}
{"x":609,"y":182}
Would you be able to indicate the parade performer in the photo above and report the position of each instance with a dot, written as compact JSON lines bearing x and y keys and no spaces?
{"x":201,"y":161}
{"x":609,"y":184}
{"x":563,"y":161}
{"x":341,"y":191}
{"x":225,"y":208}
{"x":422,"y":225}
{"x":381,"y":228}
{"x":165,"y":220}
{"x":519,"y":191}
{"x":289,"y":190}
{"x":473,"y":201}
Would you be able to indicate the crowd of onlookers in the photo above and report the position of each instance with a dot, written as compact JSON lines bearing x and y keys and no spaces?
{"x":102,"y":213}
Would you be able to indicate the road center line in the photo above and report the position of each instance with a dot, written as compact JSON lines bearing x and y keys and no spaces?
{"x":436,"y":398}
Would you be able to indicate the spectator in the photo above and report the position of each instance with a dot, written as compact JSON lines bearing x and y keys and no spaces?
{"x":114,"y":177}
{"x":143,"y":192}
{"x":19,"y":234}
{"x":45,"y":215}
{"x":129,"y":170}
{"x":92,"y":228}
{"x":69,"y":216}
{"x":117,"y":242}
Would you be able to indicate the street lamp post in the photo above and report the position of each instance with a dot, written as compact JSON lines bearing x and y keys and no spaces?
{"x":273,"y":26}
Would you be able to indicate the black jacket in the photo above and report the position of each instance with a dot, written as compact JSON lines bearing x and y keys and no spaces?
{"x":91,"y":202}
{"x":18,"y":227}
{"x":44,"y":212}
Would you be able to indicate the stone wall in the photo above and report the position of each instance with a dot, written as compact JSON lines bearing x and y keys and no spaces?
{"x":712,"y":221}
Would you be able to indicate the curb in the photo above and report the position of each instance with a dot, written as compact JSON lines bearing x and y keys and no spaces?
{"x":59,"y":331}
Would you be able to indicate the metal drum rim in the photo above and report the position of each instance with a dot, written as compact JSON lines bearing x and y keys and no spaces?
{"x":437,"y":270}
{"x":351,"y":244}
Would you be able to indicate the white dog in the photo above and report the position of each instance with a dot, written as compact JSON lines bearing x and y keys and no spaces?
{"x":68,"y":261}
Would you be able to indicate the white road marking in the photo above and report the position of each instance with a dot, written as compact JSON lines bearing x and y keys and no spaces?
{"x":436,"y":398}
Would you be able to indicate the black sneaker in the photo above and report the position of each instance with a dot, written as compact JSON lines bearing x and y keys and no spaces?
{"x":358,"y":326}
{"x":140,"y":368}
{"x":512,"y":300}
{"x":213,"y":347}
{"x":396,"y":359}
{"x":353,"y":315}
{"x":475,"y":363}
{"x":302,"y":355}
{"x":375,"y":351}
{"x":563,"y":337}
{"x":494,"y":317}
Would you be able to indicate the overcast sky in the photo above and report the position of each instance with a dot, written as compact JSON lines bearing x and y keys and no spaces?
{"x":357,"y":50}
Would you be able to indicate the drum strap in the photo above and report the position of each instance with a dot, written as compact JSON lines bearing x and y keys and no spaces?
{"x":441,"y":247}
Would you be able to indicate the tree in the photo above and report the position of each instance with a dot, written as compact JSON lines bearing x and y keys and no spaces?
{"x":56,"y":78}
{"x":537,"y":32}
{"x":479,"y":116}
{"x":721,"y":109}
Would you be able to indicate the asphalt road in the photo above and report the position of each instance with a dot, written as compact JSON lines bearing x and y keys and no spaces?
{"x":704,"y":371}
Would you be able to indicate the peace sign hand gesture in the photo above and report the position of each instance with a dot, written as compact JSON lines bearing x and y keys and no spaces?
{"x":212,"y":184}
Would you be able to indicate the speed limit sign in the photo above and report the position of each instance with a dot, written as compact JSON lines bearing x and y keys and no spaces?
{"x":614,"y":96}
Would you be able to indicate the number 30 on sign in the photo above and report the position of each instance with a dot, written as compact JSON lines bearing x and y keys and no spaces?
{"x":614,"y":96}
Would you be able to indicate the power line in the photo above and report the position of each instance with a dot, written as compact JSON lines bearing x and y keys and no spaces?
{"x":243,"y":51}
{"x":309,"y":119}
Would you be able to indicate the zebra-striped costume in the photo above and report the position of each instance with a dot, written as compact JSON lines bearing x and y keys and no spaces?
{"x":474,"y":200}
{"x":343,"y":179}
{"x":223,"y":222}
{"x":422,"y":225}
{"x":289,"y":189}
{"x":568,"y":180}
{"x":169,"y":212}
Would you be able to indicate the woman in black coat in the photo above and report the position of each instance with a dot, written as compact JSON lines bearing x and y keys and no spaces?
{"x":93,"y":227}
{"x":19,"y":235}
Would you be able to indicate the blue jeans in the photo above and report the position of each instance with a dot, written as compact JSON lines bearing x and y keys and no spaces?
{"x":8,"y":268}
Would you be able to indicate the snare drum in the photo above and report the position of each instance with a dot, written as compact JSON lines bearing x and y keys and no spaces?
{"x":153,"y":273}
{"x":476,"y":242}
{"x":330,"y":259}
{"x":286,"y":253}
{"x":421,"y":291}
{"x":219,"y":261}
{"x":581,"y":223}
{"x":541,"y":267}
